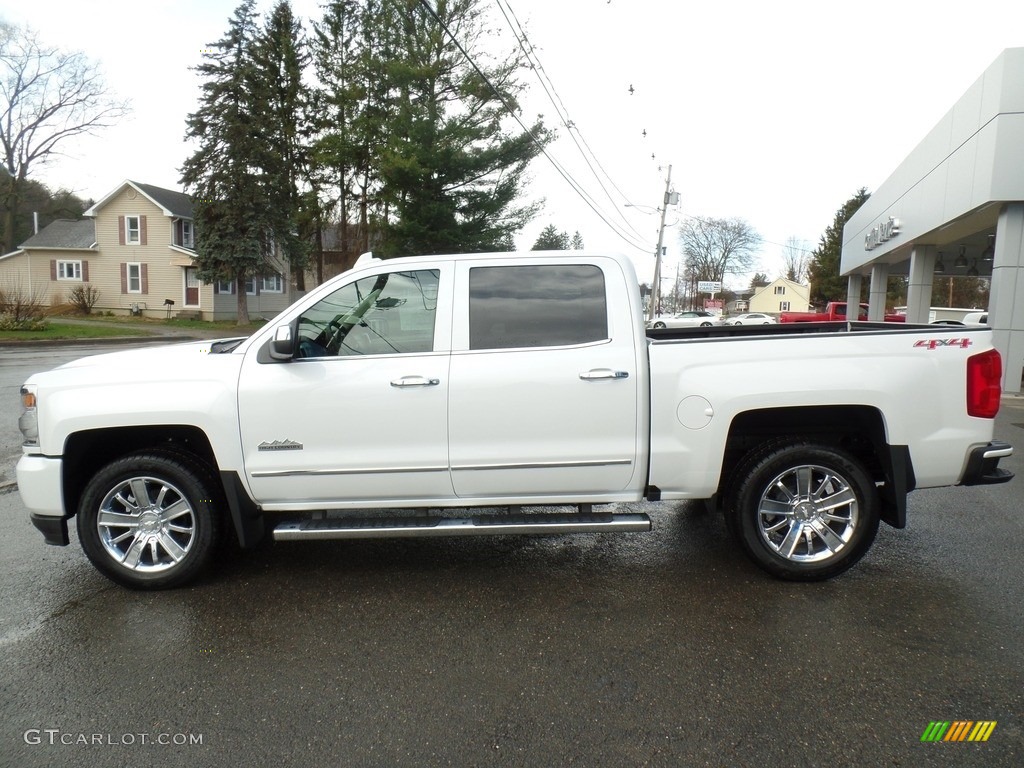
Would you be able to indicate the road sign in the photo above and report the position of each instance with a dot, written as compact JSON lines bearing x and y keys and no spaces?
{"x":709,"y":286}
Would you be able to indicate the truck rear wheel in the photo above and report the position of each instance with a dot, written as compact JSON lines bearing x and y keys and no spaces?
{"x":148,"y":520}
{"x":803,"y":511}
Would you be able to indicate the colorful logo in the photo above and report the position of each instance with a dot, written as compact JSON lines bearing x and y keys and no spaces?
{"x":958,"y":730}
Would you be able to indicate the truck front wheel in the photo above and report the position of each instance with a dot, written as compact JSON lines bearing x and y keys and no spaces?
{"x":149,"y":520}
{"x":803,"y":511}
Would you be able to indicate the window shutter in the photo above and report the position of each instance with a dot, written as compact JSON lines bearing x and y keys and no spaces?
{"x":53,"y":269}
{"x":85,"y":271}
{"x":142,"y":230}
{"x":120,"y":230}
{"x":145,"y":277}
{"x":124,"y":277}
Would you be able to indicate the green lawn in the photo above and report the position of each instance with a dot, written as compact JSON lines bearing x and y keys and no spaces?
{"x":99,"y":328}
{"x":57,"y":330}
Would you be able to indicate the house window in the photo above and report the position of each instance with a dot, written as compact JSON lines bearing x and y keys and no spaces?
{"x":250,"y":286}
{"x":780,"y":290}
{"x":187,"y":240}
{"x":272,"y":284}
{"x":224,"y":286}
{"x":132,"y":230}
{"x":783,"y":306}
{"x":69,"y":270}
{"x":134,"y":273}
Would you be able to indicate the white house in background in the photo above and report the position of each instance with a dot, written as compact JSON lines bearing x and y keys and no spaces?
{"x":136,"y":247}
{"x":782,"y":295}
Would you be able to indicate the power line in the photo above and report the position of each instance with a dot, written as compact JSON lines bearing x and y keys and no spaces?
{"x":530,"y":51}
{"x":543,"y":150}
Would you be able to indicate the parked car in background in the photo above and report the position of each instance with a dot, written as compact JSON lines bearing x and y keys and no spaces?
{"x":976,"y":318}
{"x":689,"y":319}
{"x":751,"y":318}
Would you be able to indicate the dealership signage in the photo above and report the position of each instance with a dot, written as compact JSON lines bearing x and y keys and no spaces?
{"x":709,"y":286}
{"x":884,"y":232}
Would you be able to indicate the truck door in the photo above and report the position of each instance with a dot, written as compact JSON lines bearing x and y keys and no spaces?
{"x":362,"y":413}
{"x":544,"y":385}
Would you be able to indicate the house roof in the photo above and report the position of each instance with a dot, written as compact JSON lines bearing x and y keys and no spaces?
{"x":172,"y":203}
{"x":799,"y":287}
{"x":64,"y":233}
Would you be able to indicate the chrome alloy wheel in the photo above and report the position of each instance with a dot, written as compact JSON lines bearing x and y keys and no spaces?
{"x":807,"y":514}
{"x":146,"y":524}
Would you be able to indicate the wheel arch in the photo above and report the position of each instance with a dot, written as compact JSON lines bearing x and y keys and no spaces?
{"x":858,"y":429}
{"x":87,"y":451}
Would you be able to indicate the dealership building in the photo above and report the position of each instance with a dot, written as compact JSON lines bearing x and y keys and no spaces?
{"x":954,"y":207}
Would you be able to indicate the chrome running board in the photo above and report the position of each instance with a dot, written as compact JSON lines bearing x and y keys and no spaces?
{"x":475,"y":525}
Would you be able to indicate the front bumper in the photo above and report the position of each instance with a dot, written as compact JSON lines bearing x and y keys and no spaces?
{"x":39,"y":484}
{"x":983,"y":464}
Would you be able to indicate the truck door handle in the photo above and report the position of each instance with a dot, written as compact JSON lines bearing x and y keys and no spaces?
{"x":415,"y":381}
{"x":603,"y":373}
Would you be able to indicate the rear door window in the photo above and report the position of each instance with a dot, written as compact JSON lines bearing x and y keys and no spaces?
{"x":536,"y":306}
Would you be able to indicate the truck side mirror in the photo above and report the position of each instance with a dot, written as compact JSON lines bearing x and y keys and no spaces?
{"x":282,"y":346}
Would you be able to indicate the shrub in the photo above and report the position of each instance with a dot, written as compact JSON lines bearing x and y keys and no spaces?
{"x":10,"y":323}
{"x":18,"y":305}
{"x":83,"y":298}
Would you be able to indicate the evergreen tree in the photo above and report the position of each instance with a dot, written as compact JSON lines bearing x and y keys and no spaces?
{"x":234,"y":219}
{"x":353,"y":58}
{"x":551,"y":239}
{"x":823,"y":270}
{"x":280,"y":57}
{"x":35,"y":197}
{"x":577,"y":241}
{"x":454,"y":165}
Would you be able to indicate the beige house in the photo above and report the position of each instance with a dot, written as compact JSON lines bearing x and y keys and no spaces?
{"x":782,"y":295}
{"x":136,"y":249}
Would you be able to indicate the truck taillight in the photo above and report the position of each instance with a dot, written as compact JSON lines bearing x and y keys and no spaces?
{"x":984,"y":384}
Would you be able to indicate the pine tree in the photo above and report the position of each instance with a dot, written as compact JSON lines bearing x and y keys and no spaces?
{"x":551,"y":239}
{"x":454,"y":166}
{"x":234,"y":219}
{"x":356,"y":103}
{"x":823,"y":270}
{"x":280,"y":57}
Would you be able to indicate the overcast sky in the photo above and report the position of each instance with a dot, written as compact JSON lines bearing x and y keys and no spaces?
{"x":771,"y":112}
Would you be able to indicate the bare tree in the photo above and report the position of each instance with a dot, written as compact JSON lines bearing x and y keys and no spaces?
{"x":714,"y":248}
{"x":796,"y":257}
{"x":46,"y":97}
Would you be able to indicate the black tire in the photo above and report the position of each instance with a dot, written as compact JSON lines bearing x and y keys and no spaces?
{"x":165,"y":541}
{"x":803,"y":511}
{"x":705,"y":325}
{"x":658,"y":324}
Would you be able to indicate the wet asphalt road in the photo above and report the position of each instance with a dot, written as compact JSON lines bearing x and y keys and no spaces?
{"x":666,"y":648}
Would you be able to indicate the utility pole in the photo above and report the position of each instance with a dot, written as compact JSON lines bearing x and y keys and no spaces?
{"x":656,"y":288}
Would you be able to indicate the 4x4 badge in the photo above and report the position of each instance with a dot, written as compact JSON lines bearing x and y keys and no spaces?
{"x":279,"y":445}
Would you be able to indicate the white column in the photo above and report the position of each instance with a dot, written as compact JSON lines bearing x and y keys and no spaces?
{"x":853,"y":283}
{"x":1005,"y":310}
{"x":919,"y":287}
{"x":877,"y":295}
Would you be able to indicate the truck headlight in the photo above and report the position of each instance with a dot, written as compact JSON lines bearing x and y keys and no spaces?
{"x":28,"y":422}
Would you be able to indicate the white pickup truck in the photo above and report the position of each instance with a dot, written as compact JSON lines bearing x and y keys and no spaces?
{"x":502,"y":393}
